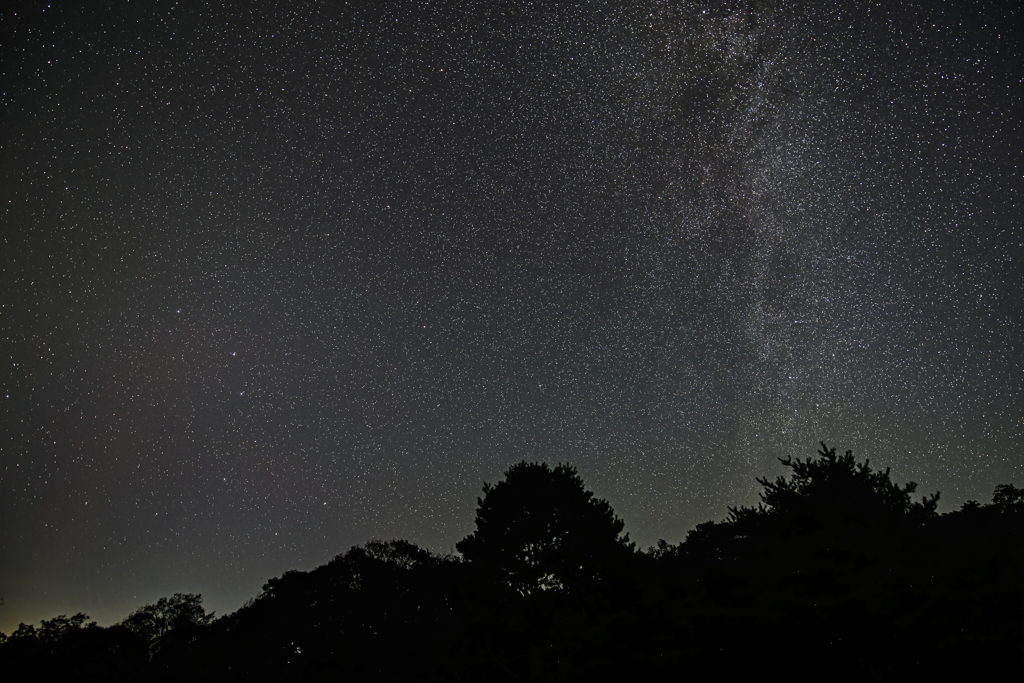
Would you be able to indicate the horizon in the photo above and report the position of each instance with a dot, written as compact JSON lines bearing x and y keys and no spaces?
{"x":111,"y":620}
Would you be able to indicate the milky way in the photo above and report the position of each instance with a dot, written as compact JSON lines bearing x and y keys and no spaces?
{"x":280,"y":278}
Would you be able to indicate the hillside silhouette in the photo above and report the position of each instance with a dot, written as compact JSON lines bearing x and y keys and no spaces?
{"x":838,"y":574}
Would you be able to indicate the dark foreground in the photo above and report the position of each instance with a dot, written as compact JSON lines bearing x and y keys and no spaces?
{"x":838,"y":576}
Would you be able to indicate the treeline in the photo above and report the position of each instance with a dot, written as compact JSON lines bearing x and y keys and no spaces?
{"x":838,"y":574}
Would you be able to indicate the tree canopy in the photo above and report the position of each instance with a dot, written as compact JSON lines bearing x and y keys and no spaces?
{"x":833,"y":498}
{"x":181,"y":611}
{"x":837,"y":485}
{"x":540,"y":529}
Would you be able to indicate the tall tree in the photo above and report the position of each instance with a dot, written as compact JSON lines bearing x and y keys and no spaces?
{"x":540,"y":530}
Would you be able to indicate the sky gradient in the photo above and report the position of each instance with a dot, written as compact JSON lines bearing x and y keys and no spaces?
{"x":280,"y":278}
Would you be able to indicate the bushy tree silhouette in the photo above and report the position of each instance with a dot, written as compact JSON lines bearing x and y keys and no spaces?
{"x":379,"y":611}
{"x":541,"y":530}
{"x":56,"y":629}
{"x":832,"y":497}
{"x":1008,"y":499}
{"x":837,"y":486}
{"x":835,"y":551}
{"x":182,"y":612}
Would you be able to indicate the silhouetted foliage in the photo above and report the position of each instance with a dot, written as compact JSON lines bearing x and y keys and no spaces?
{"x":832,"y":500}
{"x":1008,"y":499}
{"x":841,"y":555}
{"x":52,"y":631}
{"x":863,"y":582}
{"x":837,"y":486}
{"x":341,"y":619}
{"x":540,"y":529}
{"x":71,"y":646}
{"x":169,"y":620}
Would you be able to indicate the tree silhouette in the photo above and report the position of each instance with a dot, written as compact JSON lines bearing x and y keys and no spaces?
{"x":1008,"y":499}
{"x":54,"y":630}
{"x":181,"y":611}
{"x":541,"y":530}
{"x":828,"y":497}
{"x":837,"y":485}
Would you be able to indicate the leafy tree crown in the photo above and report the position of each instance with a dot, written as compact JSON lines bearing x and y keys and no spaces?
{"x":180,"y":611}
{"x":832,"y":485}
{"x":540,"y":529}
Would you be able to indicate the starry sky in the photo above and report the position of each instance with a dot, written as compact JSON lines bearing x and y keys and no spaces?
{"x":283,"y":277}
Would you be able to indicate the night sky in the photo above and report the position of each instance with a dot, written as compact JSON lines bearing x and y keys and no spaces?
{"x":280,"y":278}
